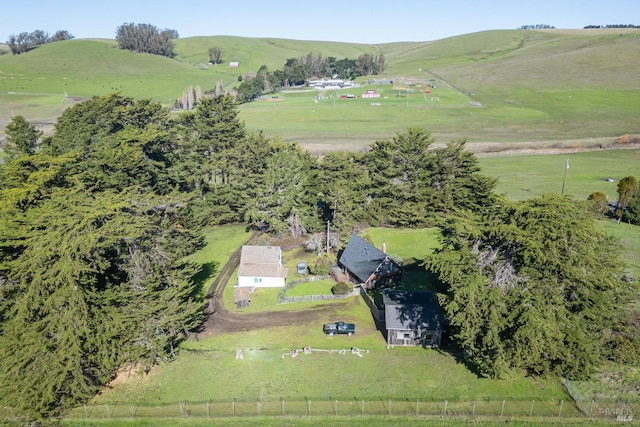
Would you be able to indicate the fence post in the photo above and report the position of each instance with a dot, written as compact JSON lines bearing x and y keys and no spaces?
{"x":86,"y":415}
{"x":233,"y":407}
{"x":133,"y":413}
{"x":417,"y":407}
{"x":446,"y":402}
{"x":389,"y":407}
{"x":209,"y":409}
{"x":282,"y":404}
{"x":502,"y":412}
{"x":108,"y":414}
{"x":362,"y":409}
{"x":591,"y":407}
{"x":473,"y":411}
{"x":258,"y":404}
{"x":309,"y":407}
{"x":181,"y":409}
{"x":531,"y":411}
{"x":560,"y":412}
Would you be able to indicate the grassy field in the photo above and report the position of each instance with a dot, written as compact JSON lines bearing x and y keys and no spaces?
{"x":525,"y":176}
{"x":208,"y":370}
{"x":221,"y":242}
{"x":495,"y":87}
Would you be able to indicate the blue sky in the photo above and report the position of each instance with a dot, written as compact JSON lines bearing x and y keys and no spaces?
{"x":373,"y":21}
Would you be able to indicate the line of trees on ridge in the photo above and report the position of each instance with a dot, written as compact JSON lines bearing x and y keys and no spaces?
{"x":97,"y":220}
{"x":24,"y":41}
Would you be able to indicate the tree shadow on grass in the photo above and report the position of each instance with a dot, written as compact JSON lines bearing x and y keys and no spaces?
{"x":204,"y":275}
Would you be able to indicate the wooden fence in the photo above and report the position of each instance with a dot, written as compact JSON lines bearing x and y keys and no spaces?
{"x":375,"y":311}
{"x":283,"y":298}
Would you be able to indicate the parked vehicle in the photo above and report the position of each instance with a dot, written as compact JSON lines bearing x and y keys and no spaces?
{"x":339,"y":328}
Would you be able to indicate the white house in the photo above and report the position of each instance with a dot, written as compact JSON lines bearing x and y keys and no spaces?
{"x":261,"y":267}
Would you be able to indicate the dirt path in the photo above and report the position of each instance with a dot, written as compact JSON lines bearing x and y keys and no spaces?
{"x":221,"y":320}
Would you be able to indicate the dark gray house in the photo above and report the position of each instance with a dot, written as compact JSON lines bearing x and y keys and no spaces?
{"x":412,"y":318}
{"x":368,"y":265}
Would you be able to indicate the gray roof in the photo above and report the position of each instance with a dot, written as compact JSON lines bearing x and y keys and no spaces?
{"x":412,"y":310}
{"x":361,"y":258}
{"x":261,"y":261}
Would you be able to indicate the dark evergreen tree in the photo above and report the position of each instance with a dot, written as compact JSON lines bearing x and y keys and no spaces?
{"x":22,"y":137}
{"x":531,"y":285}
{"x":343,"y":185}
{"x":285,"y":203}
{"x":93,"y":238}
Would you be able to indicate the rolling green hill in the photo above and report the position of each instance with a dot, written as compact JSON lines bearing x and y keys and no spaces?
{"x":503,"y":86}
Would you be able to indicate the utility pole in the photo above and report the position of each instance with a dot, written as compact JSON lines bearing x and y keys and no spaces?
{"x":564,"y":179}
{"x":327,"y":236}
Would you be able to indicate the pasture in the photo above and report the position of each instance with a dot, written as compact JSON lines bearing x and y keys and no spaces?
{"x":526,"y":176}
{"x":495,"y":88}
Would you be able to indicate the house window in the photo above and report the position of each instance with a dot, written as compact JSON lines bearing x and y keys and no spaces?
{"x":406,"y":336}
{"x":257,"y":280}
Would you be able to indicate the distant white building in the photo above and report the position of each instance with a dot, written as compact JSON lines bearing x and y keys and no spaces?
{"x":261,"y":267}
{"x":330,"y":84}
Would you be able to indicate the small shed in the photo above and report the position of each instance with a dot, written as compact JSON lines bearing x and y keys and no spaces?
{"x":413,"y":318}
{"x":302,"y":268}
{"x":242,"y":296}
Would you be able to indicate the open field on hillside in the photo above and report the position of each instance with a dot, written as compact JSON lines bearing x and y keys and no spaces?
{"x":497,"y":87}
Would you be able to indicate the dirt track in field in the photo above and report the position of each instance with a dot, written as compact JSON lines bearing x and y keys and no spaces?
{"x":221,"y":320}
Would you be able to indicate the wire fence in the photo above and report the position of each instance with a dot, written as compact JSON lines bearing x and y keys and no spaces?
{"x":327,"y":407}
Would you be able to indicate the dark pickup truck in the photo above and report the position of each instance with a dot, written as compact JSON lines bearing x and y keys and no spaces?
{"x":339,"y":328}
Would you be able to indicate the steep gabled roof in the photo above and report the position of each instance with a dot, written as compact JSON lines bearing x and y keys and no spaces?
{"x":412,"y":310}
{"x":361,"y":258}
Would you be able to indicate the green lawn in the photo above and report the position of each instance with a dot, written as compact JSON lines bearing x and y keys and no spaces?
{"x":221,"y":242}
{"x":207,"y":369}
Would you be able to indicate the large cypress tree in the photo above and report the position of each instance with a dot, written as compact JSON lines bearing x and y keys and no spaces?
{"x":532,"y":285}
{"x":92,"y":246}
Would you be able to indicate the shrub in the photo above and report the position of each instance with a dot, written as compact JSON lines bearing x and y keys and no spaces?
{"x":342,"y":288}
{"x":321,"y":266}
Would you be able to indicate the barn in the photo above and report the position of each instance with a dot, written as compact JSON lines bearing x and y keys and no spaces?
{"x":261,"y":267}
{"x":412,"y":318}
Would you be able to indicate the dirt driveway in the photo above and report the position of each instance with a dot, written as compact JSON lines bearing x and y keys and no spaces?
{"x":220,"y":320}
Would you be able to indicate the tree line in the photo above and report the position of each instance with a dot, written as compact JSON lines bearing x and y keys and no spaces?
{"x":97,"y":220}
{"x":25,"y":41}
{"x":298,"y":71}
{"x":612,"y":26}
